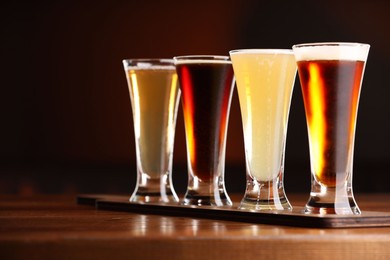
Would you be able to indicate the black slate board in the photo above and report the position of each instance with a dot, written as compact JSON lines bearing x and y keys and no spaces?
{"x":296,"y":217}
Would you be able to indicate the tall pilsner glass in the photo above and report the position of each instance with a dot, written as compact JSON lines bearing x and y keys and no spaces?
{"x":331,"y":75}
{"x":206,"y":84}
{"x":155,"y":96}
{"x":265,"y":80}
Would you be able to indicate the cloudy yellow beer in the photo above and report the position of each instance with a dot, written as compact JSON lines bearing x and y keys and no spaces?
{"x":265,"y":81}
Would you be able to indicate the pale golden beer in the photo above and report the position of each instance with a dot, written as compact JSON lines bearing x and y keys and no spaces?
{"x":154,"y":94}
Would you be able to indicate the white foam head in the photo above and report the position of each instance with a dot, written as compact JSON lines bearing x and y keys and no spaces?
{"x":260,"y":51}
{"x":148,"y":64}
{"x":331,"y":51}
{"x":151,"y":67}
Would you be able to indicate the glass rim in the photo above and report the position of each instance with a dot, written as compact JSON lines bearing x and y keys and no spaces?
{"x":263,"y":51}
{"x":202,"y":59}
{"x":315,"y":44}
{"x":148,"y":63}
{"x":150,"y":60}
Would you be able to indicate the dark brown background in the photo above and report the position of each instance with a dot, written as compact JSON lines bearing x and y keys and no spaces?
{"x":66,"y":122}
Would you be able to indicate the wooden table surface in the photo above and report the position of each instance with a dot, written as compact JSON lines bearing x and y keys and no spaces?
{"x":55,"y":227}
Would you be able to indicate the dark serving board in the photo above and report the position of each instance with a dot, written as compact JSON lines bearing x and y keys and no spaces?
{"x":296,"y":217}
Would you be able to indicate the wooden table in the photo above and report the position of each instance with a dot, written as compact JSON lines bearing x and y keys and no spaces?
{"x":55,"y":227}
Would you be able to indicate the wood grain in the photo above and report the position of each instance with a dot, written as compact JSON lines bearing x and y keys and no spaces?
{"x":55,"y":227}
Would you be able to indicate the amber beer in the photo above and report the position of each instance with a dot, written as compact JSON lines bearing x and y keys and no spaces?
{"x":331,"y":76}
{"x":206,"y":84}
{"x":330,"y":91}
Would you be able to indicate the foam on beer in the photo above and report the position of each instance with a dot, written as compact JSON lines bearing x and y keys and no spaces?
{"x":332,"y":52}
{"x":260,"y":51}
{"x":151,"y":67}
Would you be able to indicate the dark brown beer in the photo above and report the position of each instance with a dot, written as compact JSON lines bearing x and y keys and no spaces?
{"x":331,"y":90}
{"x":206,"y":94}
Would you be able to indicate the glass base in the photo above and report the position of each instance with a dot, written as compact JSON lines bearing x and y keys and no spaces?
{"x":145,"y":197}
{"x":195,"y":198}
{"x":337,"y":200}
{"x":329,"y":204}
{"x":255,"y":204}
{"x":154,"y":190}
{"x":265,"y":195}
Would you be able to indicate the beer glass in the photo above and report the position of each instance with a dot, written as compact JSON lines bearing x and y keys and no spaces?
{"x":206,"y":84}
{"x":265,"y":80}
{"x":331,"y":75}
{"x":155,"y":96}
